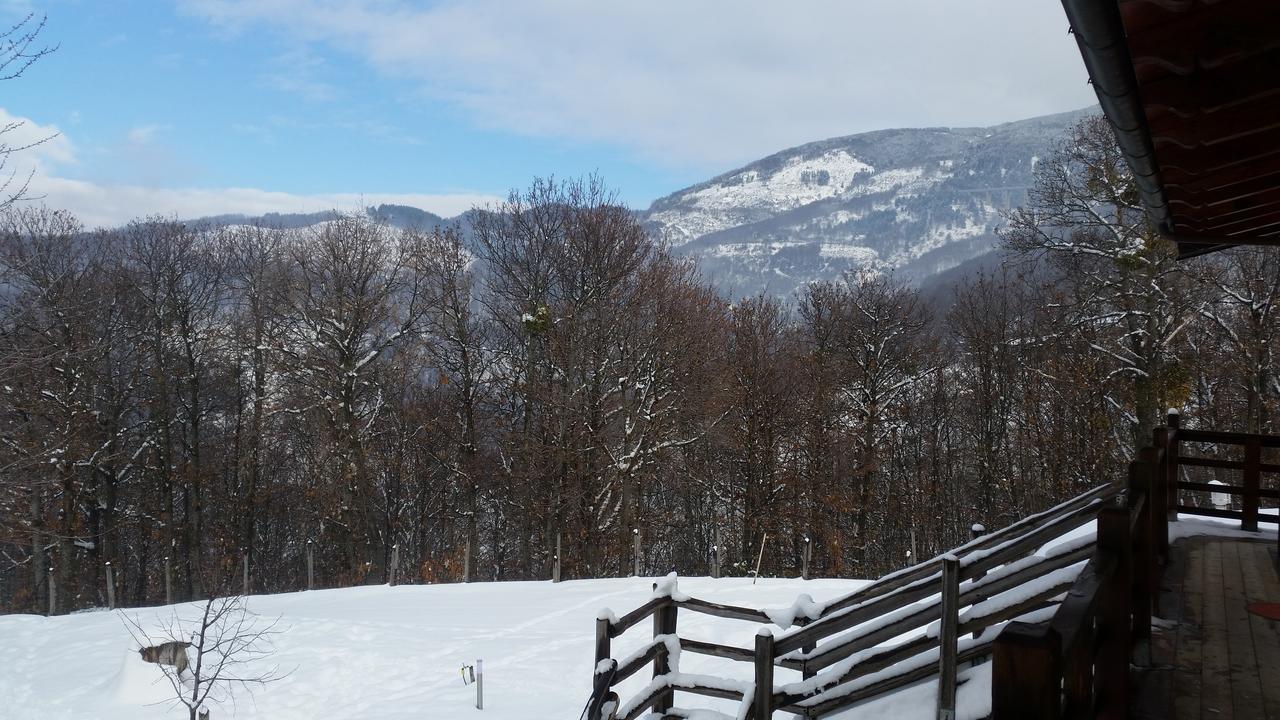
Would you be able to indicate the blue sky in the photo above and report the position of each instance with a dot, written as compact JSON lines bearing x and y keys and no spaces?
{"x":201,"y":106}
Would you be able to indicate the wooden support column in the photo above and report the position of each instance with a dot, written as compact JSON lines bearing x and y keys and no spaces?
{"x":1160,"y":492}
{"x":1140,"y":588}
{"x":1172,"y":466}
{"x":1111,"y":666}
{"x":1252,"y":483}
{"x":1026,"y":673}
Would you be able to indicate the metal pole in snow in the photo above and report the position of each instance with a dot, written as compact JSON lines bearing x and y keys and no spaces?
{"x":804,"y":571}
{"x":168,"y":581}
{"x":311,"y":565}
{"x":556,"y":574}
{"x":395,"y":565}
{"x":111,"y":587}
{"x":245,"y":580}
{"x":760,"y":559}
{"x":53,"y":594}
{"x":479,"y":684}
{"x":635,"y":534}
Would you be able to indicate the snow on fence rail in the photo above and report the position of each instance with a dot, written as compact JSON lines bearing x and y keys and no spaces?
{"x":838,"y":647}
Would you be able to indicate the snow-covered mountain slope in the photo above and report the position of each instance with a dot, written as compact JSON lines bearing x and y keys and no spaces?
{"x":918,"y":201}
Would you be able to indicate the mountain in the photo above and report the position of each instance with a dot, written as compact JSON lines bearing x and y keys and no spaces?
{"x":914,"y":201}
{"x":401,"y":216}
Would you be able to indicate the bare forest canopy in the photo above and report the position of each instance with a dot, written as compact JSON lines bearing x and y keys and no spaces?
{"x":184,"y":397}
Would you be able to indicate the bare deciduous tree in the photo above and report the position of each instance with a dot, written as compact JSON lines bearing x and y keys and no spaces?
{"x":228,"y":648}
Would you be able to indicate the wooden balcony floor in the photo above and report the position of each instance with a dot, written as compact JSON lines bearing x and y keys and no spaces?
{"x":1219,"y":660}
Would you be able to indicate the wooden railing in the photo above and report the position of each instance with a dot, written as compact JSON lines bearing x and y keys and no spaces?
{"x":839,"y":652}
{"x":1077,"y":664}
{"x":1051,"y":658}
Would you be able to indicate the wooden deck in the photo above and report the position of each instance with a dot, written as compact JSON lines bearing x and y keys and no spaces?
{"x":1216,"y":659}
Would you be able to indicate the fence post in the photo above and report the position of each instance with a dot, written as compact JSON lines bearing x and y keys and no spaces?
{"x":111,"y":587}
{"x":1026,"y":673}
{"x":1173,"y":421}
{"x":479,"y":684}
{"x":1252,"y":460}
{"x":555,"y":569}
{"x":716,"y":558}
{"x":976,"y":531}
{"x":947,"y":637}
{"x":244,"y":556}
{"x":764,"y":674}
{"x":804,"y":567}
{"x":1112,"y":662}
{"x":53,"y":594}
{"x":466,"y":562}
{"x":1139,"y":484}
{"x":311,"y":567}
{"x":664,"y":623}
{"x":602,"y":636}
{"x":635,"y":542}
{"x":394,"y":576}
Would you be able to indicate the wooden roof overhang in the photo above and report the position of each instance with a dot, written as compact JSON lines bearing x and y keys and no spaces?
{"x":1192,"y":89}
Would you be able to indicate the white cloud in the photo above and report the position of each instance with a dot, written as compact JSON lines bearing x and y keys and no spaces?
{"x":701,"y":83}
{"x":108,"y":204}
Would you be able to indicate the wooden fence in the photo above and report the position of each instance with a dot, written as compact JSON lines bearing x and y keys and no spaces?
{"x":839,"y":653}
{"x":1077,"y":664}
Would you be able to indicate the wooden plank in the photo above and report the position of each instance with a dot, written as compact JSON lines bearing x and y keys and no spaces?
{"x":1187,"y":657}
{"x":1215,"y":671}
{"x":731,"y":612}
{"x":1260,"y":585}
{"x":1246,"y":689}
{"x":1252,"y":483}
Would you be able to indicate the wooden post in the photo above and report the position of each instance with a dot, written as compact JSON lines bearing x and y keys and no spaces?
{"x":111,"y":587}
{"x":311,"y":567}
{"x":804,"y":566}
{"x":664,"y":623}
{"x":763,"y":703}
{"x":947,"y":636}
{"x":1026,"y":673}
{"x":555,"y":569}
{"x":466,"y":562}
{"x":1160,"y":494}
{"x":635,"y":535}
{"x":244,"y":584}
{"x":1172,"y":467}
{"x":976,"y":531}
{"x":1114,"y":631}
{"x":602,"y":636}
{"x":717,"y":551}
{"x":1139,"y":484}
{"x":1252,"y":484}
{"x":1153,"y":520}
{"x":53,"y":594}
{"x":393,"y":576}
{"x":168,"y":581}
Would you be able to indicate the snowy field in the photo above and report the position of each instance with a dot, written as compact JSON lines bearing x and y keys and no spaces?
{"x":395,"y":653}
{"x":378,"y":652}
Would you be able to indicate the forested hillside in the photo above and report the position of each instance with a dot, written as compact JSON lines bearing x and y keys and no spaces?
{"x":188,"y":395}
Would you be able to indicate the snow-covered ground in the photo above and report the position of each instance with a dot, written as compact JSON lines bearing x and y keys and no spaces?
{"x":395,"y":653}
{"x":379,"y":652}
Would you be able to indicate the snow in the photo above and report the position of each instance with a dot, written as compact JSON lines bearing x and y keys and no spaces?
{"x":392,"y":653}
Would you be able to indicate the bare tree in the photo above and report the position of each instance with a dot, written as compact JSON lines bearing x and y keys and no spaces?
{"x":231,"y":646}
{"x":19,"y":50}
